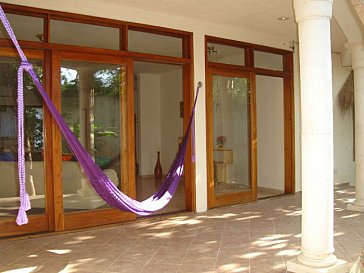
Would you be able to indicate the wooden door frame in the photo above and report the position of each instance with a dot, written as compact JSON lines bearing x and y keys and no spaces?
{"x":288,"y":96}
{"x":40,"y":222}
{"x":89,"y":218}
{"x":236,"y":197}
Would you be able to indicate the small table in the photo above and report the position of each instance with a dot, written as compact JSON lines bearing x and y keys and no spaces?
{"x":222,"y":158}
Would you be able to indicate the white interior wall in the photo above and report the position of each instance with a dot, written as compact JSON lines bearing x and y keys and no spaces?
{"x":270,"y":132}
{"x":150,"y":121}
{"x":171,"y":123}
{"x":344,"y":167}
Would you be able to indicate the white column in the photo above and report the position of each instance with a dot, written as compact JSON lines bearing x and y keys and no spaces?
{"x":357,"y":60}
{"x":86,"y":105}
{"x":313,"y":18}
{"x":86,"y":108}
{"x":200,"y":123}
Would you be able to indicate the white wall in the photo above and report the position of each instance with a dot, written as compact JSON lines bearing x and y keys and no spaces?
{"x":270,"y":132}
{"x":171,"y":123}
{"x":200,"y":124}
{"x":343,"y":128}
{"x":150,"y":121}
{"x":160,"y":122}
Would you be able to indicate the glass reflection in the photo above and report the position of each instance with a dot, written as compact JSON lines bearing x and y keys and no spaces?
{"x":91,"y":108}
{"x":33,"y":139}
{"x":231,"y":134}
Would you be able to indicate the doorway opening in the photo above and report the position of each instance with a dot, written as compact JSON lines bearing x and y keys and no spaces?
{"x":270,"y":136}
{"x":158,"y":98}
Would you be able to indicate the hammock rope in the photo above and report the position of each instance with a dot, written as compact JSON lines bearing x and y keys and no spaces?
{"x":97,"y":178}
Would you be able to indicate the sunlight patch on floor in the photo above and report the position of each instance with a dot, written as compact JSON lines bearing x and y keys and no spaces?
{"x":60,"y":251}
{"x":24,"y":270}
{"x":351,"y":216}
{"x":233,"y":267}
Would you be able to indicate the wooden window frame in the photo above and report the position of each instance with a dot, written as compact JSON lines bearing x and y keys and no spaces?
{"x":55,"y":219}
{"x":39,"y":222}
{"x":288,"y":96}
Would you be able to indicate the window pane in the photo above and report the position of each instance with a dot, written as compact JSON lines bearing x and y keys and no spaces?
{"x":91,"y":108}
{"x":268,"y":60}
{"x":225,"y":54}
{"x":33,"y":140}
{"x":25,"y":27}
{"x":154,"y":44}
{"x":231,"y":134}
{"x":70,"y":33}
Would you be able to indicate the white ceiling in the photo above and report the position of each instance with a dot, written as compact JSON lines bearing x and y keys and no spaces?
{"x":258,"y":15}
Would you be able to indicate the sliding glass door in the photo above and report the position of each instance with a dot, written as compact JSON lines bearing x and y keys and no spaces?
{"x":93,"y":103}
{"x":231,"y":133}
{"x":34,"y":146}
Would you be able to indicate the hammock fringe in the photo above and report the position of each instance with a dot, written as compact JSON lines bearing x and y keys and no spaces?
{"x":22,"y":218}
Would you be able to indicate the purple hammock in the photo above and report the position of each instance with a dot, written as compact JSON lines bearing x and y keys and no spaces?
{"x":99,"y":181}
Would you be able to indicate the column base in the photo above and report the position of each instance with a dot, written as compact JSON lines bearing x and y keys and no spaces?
{"x":355,"y":207}
{"x":296,"y":266}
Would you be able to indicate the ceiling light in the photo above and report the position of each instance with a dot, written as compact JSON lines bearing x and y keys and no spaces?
{"x":283,"y":18}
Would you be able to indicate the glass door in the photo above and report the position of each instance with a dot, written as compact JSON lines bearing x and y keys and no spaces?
{"x":34,"y":146}
{"x":93,"y":103}
{"x":232,"y":137}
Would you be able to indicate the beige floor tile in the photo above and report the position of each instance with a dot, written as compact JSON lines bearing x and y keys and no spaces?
{"x":119,"y":264}
{"x":126,"y":267}
{"x":136,"y":257}
{"x":230,"y":240}
{"x":36,"y":268}
{"x":89,"y":265}
{"x":9,"y":257}
{"x":196,"y":268}
{"x":205,"y":253}
{"x":232,"y":267}
{"x":24,"y":246}
{"x":239,"y":259}
{"x":267,"y":270}
{"x":167,"y":254}
{"x":208,"y":237}
{"x":160,"y":268}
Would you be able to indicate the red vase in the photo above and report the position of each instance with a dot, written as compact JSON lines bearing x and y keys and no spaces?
{"x":158,"y":168}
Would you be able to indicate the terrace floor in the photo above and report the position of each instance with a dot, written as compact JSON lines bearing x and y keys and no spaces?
{"x":256,"y":237}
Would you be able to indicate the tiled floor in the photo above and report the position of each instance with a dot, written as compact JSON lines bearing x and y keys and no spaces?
{"x":258,"y":237}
